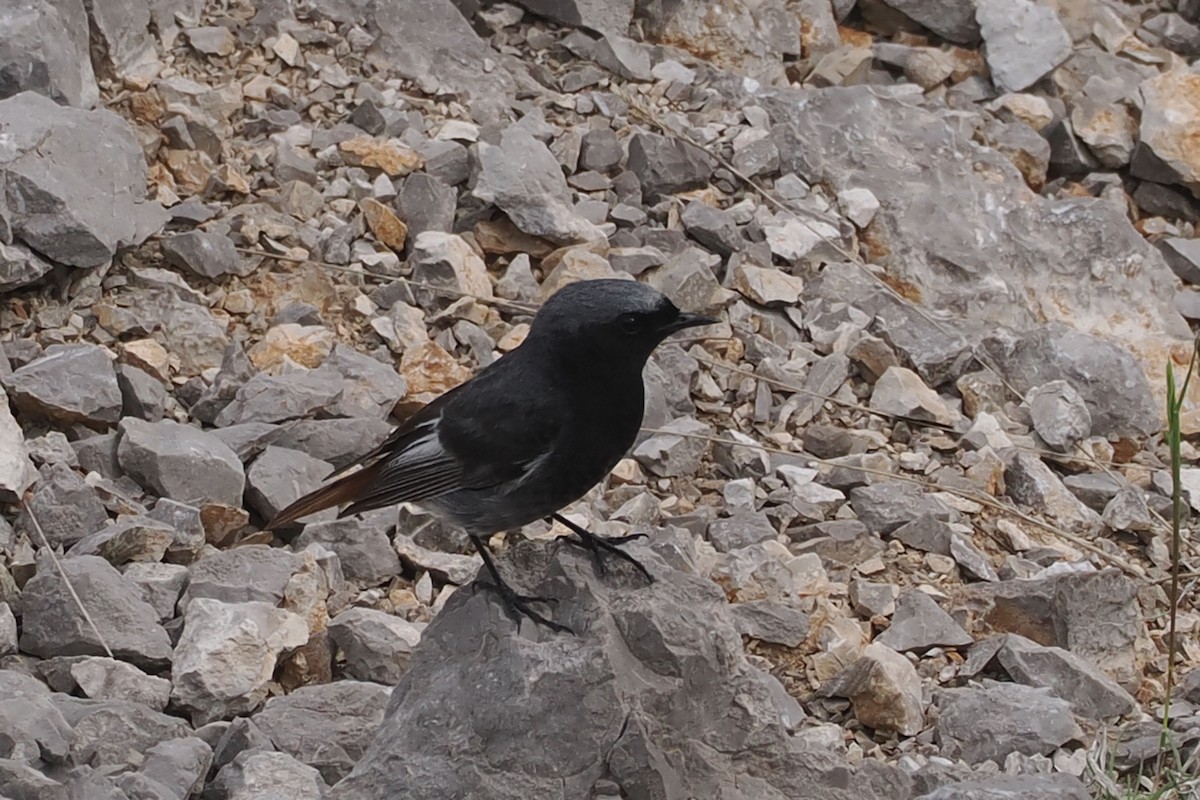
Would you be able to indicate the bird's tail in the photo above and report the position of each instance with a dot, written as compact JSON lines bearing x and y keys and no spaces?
{"x":343,"y":490}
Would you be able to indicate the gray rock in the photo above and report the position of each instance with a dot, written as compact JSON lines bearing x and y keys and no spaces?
{"x":68,"y":384}
{"x":235,"y":371}
{"x":187,"y":529}
{"x":361,"y":544}
{"x":180,"y":462}
{"x":46,"y":51}
{"x":431,"y":43}
{"x":884,"y":507}
{"x":24,"y":781}
{"x":76,"y":181}
{"x":426,"y":203}
{"x":873,"y":599}
{"x":160,"y":584}
{"x":1183,"y":256}
{"x":209,"y":255}
{"x":1090,"y":240}
{"x":1024,"y":41}
{"x":1107,"y":377}
{"x":236,"y":737}
{"x":250,"y":573}
{"x":927,"y":533}
{"x":1059,"y":415}
{"x":1094,"y":490}
{"x":1129,"y":511}
{"x":227,"y":653}
{"x":1013,"y":787}
{"x":20,"y":266}
{"x":742,"y":529}
{"x":1091,"y":693}
{"x":948,"y":19}
{"x":63,"y":506}
{"x":52,"y":624}
{"x":280,"y":476}
{"x":1030,"y":482}
{"x":970,"y":559}
{"x":99,"y":454}
{"x":919,"y":624}
{"x":213,"y":40}
{"x":370,"y":388}
{"x":678,"y":626}
{"x":1094,"y":615}
{"x":142,"y":395}
{"x":523,"y":179}
{"x":666,"y":165}
{"x":449,"y":162}
{"x":884,"y":688}
{"x":600,"y":150}
{"x":248,"y":439}
{"x":347,"y":713}
{"x":988,"y":722}
{"x":377,"y":646}
{"x":257,"y":775}
{"x":179,"y":764}
{"x":670,"y":455}
{"x":132,"y":538}
{"x":336,"y":441}
{"x":824,"y":378}
{"x":105,"y":679}
{"x":115,"y":732}
{"x":771,"y":621}
{"x":277,"y":398}
{"x":712,"y":227}
{"x":450,"y":567}
{"x":687,"y":278}
{"x":33,"y":728}
{"x":597,"y":15}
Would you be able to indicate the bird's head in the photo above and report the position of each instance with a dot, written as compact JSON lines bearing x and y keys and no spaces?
{"x":610,"y":319}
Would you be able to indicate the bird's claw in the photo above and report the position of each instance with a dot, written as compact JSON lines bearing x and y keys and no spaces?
{"x":518,"y":604}
{"x":599,"y":545}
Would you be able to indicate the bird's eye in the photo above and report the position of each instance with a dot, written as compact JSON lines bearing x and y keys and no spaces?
{"x":630,"y":323}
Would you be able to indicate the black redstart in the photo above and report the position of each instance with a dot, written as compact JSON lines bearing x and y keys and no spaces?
{"x":530,"y":433}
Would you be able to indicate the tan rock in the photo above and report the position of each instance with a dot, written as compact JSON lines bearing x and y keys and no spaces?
{"x":1171,"y":123}
{"x":885,"y":690}
{"x":576,"y":264}
{"x":389,"y":229}
{"x":191,"y":168}
{"x":767,"y":286}
{"x":1031,"y":109}
{"x":1108,"y":129}
{"x":430,"y":371}
{"x":391,"y":156}
{"x":148,"y":356}
{"x":306,"y":345}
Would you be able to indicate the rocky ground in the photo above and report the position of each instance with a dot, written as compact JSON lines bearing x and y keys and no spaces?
{"x":907,"y":505}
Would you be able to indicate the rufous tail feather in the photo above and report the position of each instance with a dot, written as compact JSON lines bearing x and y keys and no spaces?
{"x":343,"y":490}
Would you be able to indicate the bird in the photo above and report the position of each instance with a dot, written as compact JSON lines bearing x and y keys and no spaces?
{"x":527,"y":435}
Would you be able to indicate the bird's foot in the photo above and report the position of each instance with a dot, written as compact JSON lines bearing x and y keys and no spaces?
{"x":599,"y":545}
{"x":514,"y":603}
{"x":518,"y":605}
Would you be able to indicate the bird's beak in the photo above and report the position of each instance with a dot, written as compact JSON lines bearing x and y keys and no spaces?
{"x":685,"y":320}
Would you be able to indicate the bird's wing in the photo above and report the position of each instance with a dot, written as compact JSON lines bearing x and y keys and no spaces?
{"x":472,"y":437}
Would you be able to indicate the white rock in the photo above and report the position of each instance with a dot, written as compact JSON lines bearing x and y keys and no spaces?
{"x":227,"y":655}
{"x":793,"y":238}
{"x":673,"y":71}
{"x":858,"y":205}
{"x":901,"y":391}
{"x":16,"y":470}
{"x":8,"y":631}
{"x":767,"y":286}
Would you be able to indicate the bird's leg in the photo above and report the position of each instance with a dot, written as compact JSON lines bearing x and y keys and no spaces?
{"x":516,"y":604}
{"x":599,"y":545}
